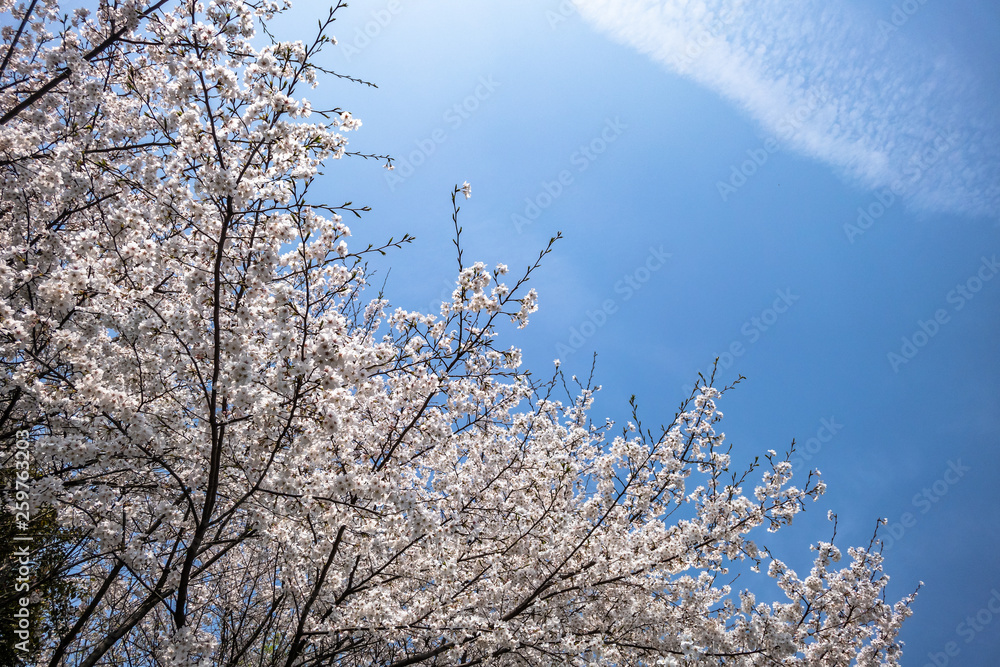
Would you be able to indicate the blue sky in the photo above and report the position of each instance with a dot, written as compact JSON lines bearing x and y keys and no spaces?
{"x":811,"y":188}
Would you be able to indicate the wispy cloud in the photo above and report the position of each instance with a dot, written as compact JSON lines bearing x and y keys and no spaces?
{"x":892,"y":112}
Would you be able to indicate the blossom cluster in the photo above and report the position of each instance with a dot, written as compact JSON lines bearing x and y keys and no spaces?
{"x":265,"y":467}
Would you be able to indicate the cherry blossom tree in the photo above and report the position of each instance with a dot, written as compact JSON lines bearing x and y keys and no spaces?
{"x":253,"y":461}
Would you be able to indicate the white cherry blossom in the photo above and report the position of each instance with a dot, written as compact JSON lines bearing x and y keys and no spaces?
{"x":266,"y":465}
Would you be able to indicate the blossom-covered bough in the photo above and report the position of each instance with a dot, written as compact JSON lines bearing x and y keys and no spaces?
{"x":255,"y":465}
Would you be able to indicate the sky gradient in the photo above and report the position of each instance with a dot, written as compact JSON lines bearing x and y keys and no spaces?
{"x":809,"y":193}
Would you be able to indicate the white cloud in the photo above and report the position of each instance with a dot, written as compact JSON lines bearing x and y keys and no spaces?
{"x":833,"y":83}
